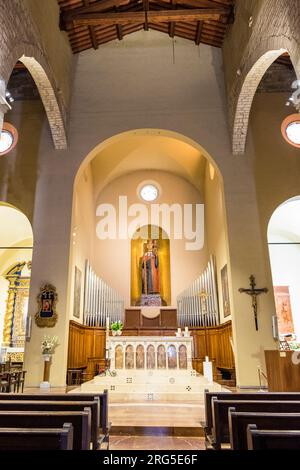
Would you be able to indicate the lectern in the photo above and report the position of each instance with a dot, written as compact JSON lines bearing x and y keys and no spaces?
{"x":283,"y":371}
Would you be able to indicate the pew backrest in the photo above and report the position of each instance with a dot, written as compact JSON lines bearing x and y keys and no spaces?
{"x":12,"y":439}
{"x":272,"y":440}
{"x":239,"y":422}
{"x":24,"y":405}
{"x":220,"y":409}
{"x":80,"y":420}
{"x":103,"y":398}
{"x":243,"y":396}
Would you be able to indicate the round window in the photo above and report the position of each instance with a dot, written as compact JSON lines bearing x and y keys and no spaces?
{"x":149,"y":192}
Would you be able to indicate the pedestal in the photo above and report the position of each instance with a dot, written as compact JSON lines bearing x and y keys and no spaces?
{"x":47,"y":363}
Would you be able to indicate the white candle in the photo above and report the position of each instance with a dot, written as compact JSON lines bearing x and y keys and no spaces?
{"x":179,"y":331}
{"x":107,"y":322}
{"x":186,"y":329}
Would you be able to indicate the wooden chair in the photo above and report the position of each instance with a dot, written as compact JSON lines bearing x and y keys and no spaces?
{"x":239,"y":422}
{"x":272,"y":440}
{"x":80,"y":420}
{"x":12,"y":439}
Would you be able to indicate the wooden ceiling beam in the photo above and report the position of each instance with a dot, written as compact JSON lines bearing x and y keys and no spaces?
{"x":92,"y":28}
{"x":199,"y":32}
{"x":160,"y":16}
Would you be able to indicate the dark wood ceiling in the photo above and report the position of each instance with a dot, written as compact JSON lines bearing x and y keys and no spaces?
{"x":90,"y":23}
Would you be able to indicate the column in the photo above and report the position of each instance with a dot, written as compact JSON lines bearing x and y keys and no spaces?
{"x":248,"y":254}
{"x":9,"y":313}
{"x":50,"y":262}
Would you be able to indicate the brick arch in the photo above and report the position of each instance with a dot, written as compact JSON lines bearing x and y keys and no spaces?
{"x":274,"y":30}
{"x":34,"y":61}
{"x":246,"y":96}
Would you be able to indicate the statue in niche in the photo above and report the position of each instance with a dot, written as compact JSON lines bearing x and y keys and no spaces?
{"x":150,"y":269}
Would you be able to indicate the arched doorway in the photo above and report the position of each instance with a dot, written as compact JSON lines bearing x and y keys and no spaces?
{"x":115,"y":189}
{"x":16,"y":244}
{"x":284,"y":248}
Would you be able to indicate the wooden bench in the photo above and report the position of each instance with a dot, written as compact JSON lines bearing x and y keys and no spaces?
{"x":12,"y":439}
{"x":238,"y":397}
{"x":80,"y":420}
{"x":103,"y":409}
{"x":220,"y":411}
{"x":272,"y":440}
{"x":34,"y":405}
{"x":239,"y":422}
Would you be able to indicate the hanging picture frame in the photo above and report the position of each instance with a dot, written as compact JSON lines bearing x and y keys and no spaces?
{"x":225,"y":292}
{"x":46,"y":315}
{"x":77,"y":292}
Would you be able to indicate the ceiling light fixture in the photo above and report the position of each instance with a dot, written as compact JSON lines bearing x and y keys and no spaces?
{"x":290,"y":130}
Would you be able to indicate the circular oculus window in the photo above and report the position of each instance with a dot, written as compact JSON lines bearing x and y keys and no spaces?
{"x":8,"y":138}
{"x":149,"y":192}
{"x":290,"y":129}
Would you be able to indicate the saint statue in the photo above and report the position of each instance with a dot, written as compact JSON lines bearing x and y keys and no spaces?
{"x":150,"y":269}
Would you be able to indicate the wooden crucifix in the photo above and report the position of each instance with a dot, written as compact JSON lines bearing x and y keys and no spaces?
{"x":254,"y":293}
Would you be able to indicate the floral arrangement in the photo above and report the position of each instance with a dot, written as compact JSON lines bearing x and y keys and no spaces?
{"x":117,"y":326}
{"x":49,"y":344}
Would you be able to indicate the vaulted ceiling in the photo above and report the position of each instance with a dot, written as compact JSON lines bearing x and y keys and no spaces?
{"x":90,"y":23}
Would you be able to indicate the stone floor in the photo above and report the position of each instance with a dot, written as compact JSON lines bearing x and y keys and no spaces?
{"x":156,"y":443}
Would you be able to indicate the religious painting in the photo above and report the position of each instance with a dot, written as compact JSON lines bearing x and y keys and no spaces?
{"x":150,"y":357}
{"x":150,"y":267}
{"x":172,"y":357}
{"x":140,"y":357}
{"x":225,"y":291}
{"x":46,"y":315}
{"x":182,"y":357}
{"x":129,"y":357}
{"x":77,"y":293}
{"x":119,"y":360}
{"x":161,"y":357}
{"x":284,"y":310}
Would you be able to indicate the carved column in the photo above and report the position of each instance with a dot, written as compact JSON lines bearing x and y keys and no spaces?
{"x":9,"y":313}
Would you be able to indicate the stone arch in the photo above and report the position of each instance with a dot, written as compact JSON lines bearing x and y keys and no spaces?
{"x":33,"y":59}
{"x":246,"y":96}
{"x":273,"y":30}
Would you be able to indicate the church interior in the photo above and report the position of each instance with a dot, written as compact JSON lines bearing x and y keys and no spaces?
{"x":149,"y":225}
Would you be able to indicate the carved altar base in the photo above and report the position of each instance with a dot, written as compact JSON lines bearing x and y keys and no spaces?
{"x":153,"y":368}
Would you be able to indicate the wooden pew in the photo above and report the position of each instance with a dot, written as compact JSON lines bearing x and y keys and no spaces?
{"x":272,"y":440}
{"x":80,"y":420}
{"x":239,"y":422}
{"x":35,"y":405}
{"x":281,"y":396}
{"x":220,"y":409}
{"x":103,"y":410}
{"x":37,"y":439}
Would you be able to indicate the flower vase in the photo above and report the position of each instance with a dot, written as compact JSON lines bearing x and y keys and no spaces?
{"x":119,"y":332}
{"x":47,"y":363}
{"x":114,"y":332}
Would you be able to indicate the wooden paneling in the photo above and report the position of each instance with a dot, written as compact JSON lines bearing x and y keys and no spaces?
{"x":283,"y":375}
{"x":166,"y":319}
{"x":87,"y":345}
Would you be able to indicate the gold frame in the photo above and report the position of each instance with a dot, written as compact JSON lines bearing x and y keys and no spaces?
{"x":50,"y":321}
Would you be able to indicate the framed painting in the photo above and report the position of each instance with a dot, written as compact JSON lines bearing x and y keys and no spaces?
{"x":77,"y":293}
{"x":46,"y":315}
{"x":284,"y":310}
{"x":225,"y":291}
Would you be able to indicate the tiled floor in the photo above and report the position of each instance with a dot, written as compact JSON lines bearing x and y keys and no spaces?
{"x":156,"y":443}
